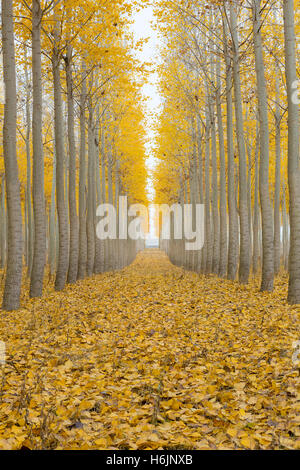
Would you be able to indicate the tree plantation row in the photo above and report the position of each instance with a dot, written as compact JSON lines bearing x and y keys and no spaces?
{"x":228,"y":134}
{"x":73,"y":138}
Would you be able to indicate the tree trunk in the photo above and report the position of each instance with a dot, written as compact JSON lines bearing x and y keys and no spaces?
{"x":3,"y":225}
{"x":277,"y":176}
{"x":215,"y":189}
{"x":293,"y":152}
{"x":202,"y":259}
{"x":249,"y":193}
{"x":223,"y":215}
{"x":233,"y":241}
{"x":267,"y":283}
{"x":73,"y":259}
{"x":256,"y":209}
{"x":208,"y":240}
{"x":82,"y":260}
{"x":244,"y":267}
{"x":98,"y":242}
{"x":29,"y":218}
{"x":90,"y":223}
{"x":12,"y":289}
{"x":38,"y":193}
{"x":109,"y":254}
{"x":116,"y":242}
{"x":63,"y":252}
{"x":285,"y":231}
{"x":52,"y":222}
{"x":103,"y":194}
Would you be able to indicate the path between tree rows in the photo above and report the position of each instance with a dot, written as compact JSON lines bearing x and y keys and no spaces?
{"x":151,"y":357}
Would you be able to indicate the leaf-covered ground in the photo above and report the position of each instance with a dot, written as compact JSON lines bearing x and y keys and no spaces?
{"x":152,"y":357}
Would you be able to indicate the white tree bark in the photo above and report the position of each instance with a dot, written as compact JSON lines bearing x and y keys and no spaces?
{"x":63,"y":252}
{"x":13,"y":279}
{"x":82,"y":256}
{"x":267,"y":282}
{"x":293,"y":151}
{"x":74,"y":235}
{"x":244,"y":267}
{"x":38,"y":192}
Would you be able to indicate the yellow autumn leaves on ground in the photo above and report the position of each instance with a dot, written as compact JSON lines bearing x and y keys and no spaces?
{"x":151,"y":357}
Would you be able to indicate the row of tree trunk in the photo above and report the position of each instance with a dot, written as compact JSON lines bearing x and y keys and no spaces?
{"x":59,"y":233}
{"x":242,"y":228}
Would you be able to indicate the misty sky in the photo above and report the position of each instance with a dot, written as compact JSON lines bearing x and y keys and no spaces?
{"x":142,"y":29}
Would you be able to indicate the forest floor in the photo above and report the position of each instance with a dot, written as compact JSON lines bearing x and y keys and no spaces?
{"x":151,"y":357}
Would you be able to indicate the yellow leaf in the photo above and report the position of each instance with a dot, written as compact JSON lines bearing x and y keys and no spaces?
{"x":246,"y":442}
{"x":101,"y":443}
{"x":85,"y":405}
{"x":232,"y":432}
